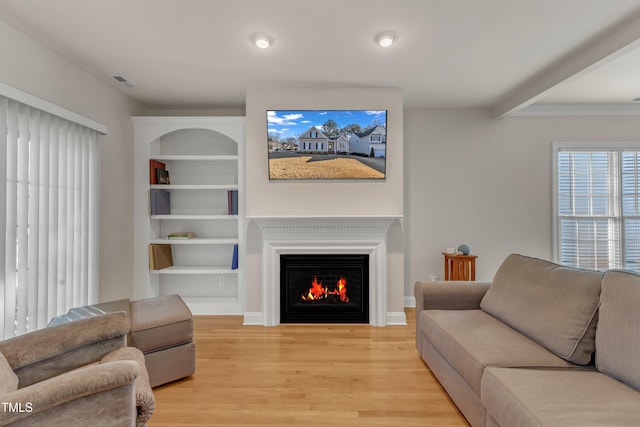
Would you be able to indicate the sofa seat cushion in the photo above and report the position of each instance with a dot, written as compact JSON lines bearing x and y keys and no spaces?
{"x":555,"y":306}
{"x":618,"y":335}
{"x":471,"y":340}
{"x":558,"y":398}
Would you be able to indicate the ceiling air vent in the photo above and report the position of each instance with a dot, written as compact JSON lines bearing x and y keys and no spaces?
{"x":123,"y":81}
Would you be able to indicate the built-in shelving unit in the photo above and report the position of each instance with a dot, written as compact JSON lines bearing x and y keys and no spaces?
{"x":203,"y":158}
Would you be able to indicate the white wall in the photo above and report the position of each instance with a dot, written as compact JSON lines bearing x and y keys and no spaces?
{"x":39,"y":71}
{"x":323,"y":198}
{"x":266,"y":197}
{"x":470,"y":178}
{"x":467,"y":176}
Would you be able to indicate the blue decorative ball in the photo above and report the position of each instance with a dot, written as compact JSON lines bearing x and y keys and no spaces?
{"x":464,"y":249}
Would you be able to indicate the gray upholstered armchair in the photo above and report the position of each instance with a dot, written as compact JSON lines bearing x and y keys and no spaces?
{"x":76,"y":373}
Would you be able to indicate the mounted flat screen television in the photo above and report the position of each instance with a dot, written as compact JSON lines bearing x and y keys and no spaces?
{"x":327,"y":144}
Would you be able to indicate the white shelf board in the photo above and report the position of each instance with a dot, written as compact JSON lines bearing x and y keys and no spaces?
{"x":194,"y":186}
{"x":196,"y":157}
{"x":212,"y":217}
{"x":194,"y":241}
{"x":175,"y":269}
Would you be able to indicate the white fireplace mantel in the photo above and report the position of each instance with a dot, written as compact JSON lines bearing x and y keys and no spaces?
{"x":325,"y":235}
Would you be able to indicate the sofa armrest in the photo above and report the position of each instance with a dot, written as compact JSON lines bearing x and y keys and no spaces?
{"x":50,"y":399}
{"x":449,"y":295}
{"x":49,"y":352}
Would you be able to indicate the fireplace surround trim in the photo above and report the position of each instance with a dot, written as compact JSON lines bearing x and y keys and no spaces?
{"x":324,"y":235}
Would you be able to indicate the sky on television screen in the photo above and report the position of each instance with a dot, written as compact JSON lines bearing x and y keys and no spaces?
{"x":292,"y":123}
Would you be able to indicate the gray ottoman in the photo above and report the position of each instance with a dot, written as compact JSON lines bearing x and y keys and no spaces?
{"x":162,"y":328}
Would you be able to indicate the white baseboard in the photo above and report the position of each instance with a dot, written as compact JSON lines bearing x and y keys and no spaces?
{"x":253,"y":318}
{"x":396,"y":319}
{"x":409,"y":301}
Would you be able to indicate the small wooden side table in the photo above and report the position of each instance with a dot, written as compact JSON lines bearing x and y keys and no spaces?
{"x":459,"y":267}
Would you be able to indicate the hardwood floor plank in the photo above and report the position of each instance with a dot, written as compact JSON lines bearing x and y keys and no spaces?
{"x":305,"y":375}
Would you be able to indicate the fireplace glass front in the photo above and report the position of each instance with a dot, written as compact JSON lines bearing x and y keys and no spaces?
{"x":324,"y":288}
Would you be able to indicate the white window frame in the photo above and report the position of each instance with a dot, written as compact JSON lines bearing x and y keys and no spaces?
{"x":589,"y":146}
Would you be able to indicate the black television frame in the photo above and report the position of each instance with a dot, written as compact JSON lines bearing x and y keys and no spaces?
{"x":299,"y":147}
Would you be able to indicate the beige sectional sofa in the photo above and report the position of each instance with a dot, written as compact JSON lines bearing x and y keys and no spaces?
{"x":541,"y":345}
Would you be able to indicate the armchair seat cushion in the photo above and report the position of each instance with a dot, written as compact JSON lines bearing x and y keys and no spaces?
{"x":69,"y":399}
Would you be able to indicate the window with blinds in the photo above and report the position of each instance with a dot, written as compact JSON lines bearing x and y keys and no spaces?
{"x":597,"y":205}
{"x":48,"y":216}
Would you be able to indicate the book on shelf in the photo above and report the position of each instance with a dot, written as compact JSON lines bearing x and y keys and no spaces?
{"x":232,"y":202}
{"x":160,"y":256}
{"x":162,"y":176}
{"x":154,"y":165}
{"x":234,"y":258}
{"x":180,"y":235}
{"x":160,"y":202}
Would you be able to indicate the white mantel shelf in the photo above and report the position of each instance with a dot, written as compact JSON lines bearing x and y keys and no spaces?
{"x":310,"y":224}
{"x":321,"y":217}
{"x":326,"y":234}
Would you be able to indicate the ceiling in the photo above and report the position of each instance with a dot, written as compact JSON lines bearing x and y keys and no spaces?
{"x":501,"y":54}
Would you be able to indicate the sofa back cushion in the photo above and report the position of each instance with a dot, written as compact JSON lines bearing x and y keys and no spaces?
{"x":617,"y":337}
{"x":555,"y":306}
{"x":8,"y":378}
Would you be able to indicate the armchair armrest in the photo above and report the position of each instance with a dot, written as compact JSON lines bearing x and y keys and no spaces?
{"x":49,"y":352}
{"x":56,"y":399}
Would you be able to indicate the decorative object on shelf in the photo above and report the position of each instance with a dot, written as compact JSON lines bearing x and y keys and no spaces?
{"x":163,"y":176}
{"x":160,"y":257}
{"x":232,"y":202}
{"x":464,"y":249}
{"x":154,"y":165}
{"x":181,"y":235}
{"x":160,"y":202}
{"x":234,"y":259}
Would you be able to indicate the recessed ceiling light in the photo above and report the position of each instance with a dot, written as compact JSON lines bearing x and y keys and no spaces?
{"x":385,"y":38}
{"x":262,"y":40}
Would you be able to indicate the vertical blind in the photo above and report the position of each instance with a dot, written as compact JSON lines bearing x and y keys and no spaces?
{"x":599,"y":208}
{"x":49,"y":221}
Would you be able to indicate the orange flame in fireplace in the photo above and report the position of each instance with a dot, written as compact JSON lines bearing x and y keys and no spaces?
{"x":317,"y":291}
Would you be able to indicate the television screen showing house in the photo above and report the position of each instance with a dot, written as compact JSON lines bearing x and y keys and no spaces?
{"x":327,"y":144}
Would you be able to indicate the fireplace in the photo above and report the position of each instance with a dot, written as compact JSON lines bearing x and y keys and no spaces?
{"x":340,"y":235}
{"x":324,"y":288}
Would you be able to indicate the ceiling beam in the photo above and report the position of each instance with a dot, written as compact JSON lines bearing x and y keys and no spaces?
{"x":612,"y":43}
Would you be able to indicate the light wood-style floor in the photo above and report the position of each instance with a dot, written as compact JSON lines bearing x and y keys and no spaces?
{"x":305,"y":375}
